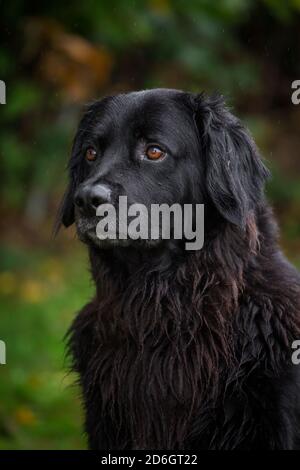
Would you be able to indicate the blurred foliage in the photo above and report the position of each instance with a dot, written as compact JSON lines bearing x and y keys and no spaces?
{"x":39,"y":405}
{"x":54,"y":57}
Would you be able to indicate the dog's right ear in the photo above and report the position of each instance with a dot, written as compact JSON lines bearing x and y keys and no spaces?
{"x":65,"y":215}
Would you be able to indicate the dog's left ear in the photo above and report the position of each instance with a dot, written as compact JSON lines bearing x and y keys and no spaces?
{"x":235,"y":173}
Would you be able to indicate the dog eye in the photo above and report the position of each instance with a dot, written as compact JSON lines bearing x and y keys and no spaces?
{"x":91,"y":154}
{"x":154,"y":152}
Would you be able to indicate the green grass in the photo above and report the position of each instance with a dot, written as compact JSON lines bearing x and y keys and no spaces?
{"x":40,"y":293}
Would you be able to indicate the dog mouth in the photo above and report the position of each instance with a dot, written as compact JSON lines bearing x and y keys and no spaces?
{"x":107,"y":228}
{"x":88,"y":232}
{"x":141,"y":225}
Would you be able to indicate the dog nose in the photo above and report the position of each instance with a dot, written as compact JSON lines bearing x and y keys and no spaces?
{"x":88,"y":198}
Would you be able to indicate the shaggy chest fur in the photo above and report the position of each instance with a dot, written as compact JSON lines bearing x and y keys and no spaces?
{"x":164,"y":360}
{"x":150,"y":386}
{"x":151,"y":392}
{"x":163,"y":391}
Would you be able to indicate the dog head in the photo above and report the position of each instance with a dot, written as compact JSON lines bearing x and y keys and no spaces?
{"x":161,"y":147}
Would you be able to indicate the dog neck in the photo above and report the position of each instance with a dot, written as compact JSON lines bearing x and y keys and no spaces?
{"x":184,"y":302}
{"x":165,"y":262}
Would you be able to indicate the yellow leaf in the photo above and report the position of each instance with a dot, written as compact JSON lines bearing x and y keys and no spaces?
{"x":8,"y":282}
{"x":32,"y":291}
{"x":25,"y":416}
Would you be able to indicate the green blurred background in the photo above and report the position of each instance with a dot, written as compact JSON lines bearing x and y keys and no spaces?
{"x":58,"y":55}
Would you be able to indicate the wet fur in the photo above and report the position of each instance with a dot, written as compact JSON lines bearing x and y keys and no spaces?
{"x":192,"y":350}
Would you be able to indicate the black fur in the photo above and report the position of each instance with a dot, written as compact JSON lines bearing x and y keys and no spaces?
{"x":184,"y":350}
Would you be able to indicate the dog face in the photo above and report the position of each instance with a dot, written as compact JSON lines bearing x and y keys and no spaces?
{"x":161,"y":146}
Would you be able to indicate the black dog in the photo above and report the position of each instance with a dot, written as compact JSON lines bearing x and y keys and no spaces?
{"x":182,"y":349}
